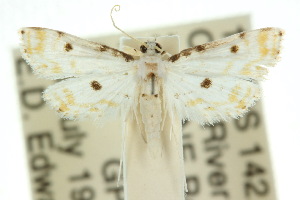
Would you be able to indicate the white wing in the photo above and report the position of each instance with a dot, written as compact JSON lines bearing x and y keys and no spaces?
{"x":101,"y":80}
{"x":219,"y":80}
{"x":56,"y":55}
{"x":97,"y":97}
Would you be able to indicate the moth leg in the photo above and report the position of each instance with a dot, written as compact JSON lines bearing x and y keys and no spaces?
{"x":141,"y":125}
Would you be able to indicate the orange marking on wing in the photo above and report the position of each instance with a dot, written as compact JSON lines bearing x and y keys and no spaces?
{"x":56,"y":69}
{"x":69,"y":96}
{"x":262,"y":39}
{"x":73,"y":64}
{"x":63,"y":106}
{"x":210,"y":108}
{"x":29,"y":48}
{"x":246,"y":70}
{"x":94,"y":109}
{"x":40,"y":35}
{"x":219,"y":103}
{"x":109,"y":103}
{"x":102,"y":101}
{"x":242,"y":103}
{"x":234,"y":93}
{"x":43,"y":66}
{"x":228,"y":67}
{"x":195,"y":102}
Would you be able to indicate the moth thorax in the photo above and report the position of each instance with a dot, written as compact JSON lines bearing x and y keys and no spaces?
{"x":151,"y":67}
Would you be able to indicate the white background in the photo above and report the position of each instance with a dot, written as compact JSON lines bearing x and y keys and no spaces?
{"x":91,"y":18}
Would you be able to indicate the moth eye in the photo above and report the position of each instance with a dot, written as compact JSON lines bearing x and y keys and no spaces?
{"x":143,"y":49}
{"x":159,"y":46}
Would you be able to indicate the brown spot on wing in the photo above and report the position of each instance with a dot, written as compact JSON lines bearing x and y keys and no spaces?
{"x":174,"y":57}
{"x":37,"y":28}
{"x":206,"y":83}
{"x":156,"y":95}
{"x":266,"y":29}
{"x":22,"y":31}
{"x":242,"y":35}
{"x":96,"y":85}
{"x":209,"y":45}
{"x":186,"y":52}
{"x":115,"y":52}
{"x":60,"y":34}
{"x":280,"y":33}
{"x":234,"y":49}
{"x":102,"y":48}
{"x":68,"y":47}
{"x":200,"y":48}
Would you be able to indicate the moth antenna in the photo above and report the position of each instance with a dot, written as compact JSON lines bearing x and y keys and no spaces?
{"x":116,"y":8}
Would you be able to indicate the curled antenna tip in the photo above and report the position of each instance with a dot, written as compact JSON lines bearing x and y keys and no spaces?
{"x":116,"y":8}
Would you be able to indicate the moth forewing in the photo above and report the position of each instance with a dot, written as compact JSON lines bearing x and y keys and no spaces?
{"x":57,"y":55}
{"x":245,"y":54}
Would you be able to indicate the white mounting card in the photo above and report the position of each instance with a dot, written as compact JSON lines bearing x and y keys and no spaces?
{"x":78,"y":161}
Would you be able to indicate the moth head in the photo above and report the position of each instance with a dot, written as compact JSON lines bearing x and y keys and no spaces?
{"x":151,"y":48}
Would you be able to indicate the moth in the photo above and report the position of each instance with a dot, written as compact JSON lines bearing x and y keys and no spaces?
{"x":205,"y":84}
